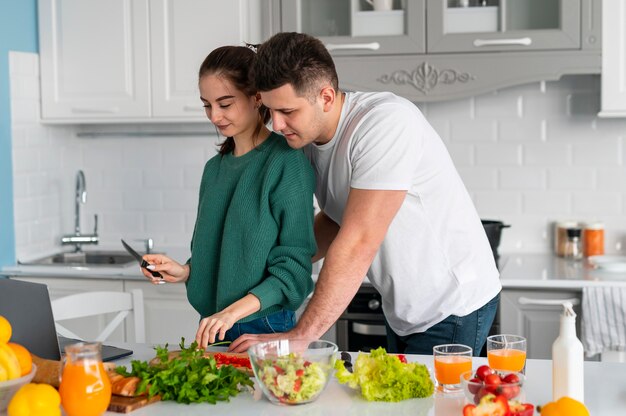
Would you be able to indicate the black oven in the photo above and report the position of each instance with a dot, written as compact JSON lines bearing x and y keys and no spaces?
{"x":361,"y":327}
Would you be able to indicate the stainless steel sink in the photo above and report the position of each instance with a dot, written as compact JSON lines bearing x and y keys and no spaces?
{"x":87,"y":258}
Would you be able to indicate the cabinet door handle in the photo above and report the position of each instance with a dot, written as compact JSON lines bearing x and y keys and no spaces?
{"x":499,"y":42}
{"x":87,"y":110}
{"x":366,"y":329}
{"x":374,"y":46}
{"x":547,"y":302}
{"x":194,"y":108}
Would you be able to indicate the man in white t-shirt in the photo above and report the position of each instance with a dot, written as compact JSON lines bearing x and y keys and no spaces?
{"x":393,"y":206}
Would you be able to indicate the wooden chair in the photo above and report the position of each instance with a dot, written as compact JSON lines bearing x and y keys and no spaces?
{"x":97,"y":303}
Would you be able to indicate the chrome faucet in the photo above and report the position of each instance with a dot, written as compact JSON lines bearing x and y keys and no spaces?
{"x":81,"y":197}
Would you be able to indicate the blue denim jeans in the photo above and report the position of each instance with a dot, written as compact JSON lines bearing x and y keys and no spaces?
{"x":280,"y":321}
{"x":471,"y":330}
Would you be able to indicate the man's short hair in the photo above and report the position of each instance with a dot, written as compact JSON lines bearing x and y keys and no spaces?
{"x":297,"y":59}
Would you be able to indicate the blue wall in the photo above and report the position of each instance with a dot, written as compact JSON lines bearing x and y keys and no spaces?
{"x":18,"y":32}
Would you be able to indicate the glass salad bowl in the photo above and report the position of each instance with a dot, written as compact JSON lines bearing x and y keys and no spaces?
{"x":293,"y":372}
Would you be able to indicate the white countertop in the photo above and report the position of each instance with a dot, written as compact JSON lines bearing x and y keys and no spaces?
{"x":605,"y":393}
{"x":532,"y":271}
{"x":129,"y":272}
{"x":548,"y":271}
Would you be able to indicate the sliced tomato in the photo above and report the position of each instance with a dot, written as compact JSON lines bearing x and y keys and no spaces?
{"x":297,"y":385}
{"x":402,"y":358}
{"x":521,"y":409}
{"x":299,"y":373}
{"x":489,"y":405}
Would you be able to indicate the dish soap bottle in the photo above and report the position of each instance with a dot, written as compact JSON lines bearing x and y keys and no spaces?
{"x":568,"y":359}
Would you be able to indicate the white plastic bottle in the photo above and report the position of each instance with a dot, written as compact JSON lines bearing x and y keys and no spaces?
{"x":568,"y":359}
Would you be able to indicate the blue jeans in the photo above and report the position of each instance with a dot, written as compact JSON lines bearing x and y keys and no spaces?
{"x":280,"y":321}
{"x":471,"y":330}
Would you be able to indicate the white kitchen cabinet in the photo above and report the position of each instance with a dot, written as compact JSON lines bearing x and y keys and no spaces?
{"x":613,"y":58}
{"x":95,"y":59}
{"x":525,"y":313}
{"x":133,"y":60}
{"x":89,"y":327}
{"x":169,"y":316}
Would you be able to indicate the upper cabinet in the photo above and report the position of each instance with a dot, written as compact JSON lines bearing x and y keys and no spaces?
{"x":133,"y":60}
{"x":432,"y":50}
{"x":358,"y":27}
{"x":613,"y":59}
{"x":503,"y":25}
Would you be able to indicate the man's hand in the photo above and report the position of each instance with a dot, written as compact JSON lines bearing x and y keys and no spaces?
{"x":245,"y":341}
{"x":214,"y":327}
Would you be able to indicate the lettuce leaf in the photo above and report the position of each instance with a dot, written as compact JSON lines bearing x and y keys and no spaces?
{"x":383,"y":377}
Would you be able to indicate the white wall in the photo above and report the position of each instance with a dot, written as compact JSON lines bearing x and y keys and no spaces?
{"x":529,"y":155}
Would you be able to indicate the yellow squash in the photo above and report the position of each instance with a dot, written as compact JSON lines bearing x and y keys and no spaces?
{"x":565,"y":406}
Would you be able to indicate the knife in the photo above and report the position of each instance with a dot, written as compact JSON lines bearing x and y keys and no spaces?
{"x":142,"y":263}
{"x":347,"y":361}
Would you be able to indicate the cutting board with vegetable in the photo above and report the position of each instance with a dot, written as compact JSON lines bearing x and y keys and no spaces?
{"x":120,"y":404}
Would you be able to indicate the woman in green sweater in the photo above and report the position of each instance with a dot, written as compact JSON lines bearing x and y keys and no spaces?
{"x":251,"y":249}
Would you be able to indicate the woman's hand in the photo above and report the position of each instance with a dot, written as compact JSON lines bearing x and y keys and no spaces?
{"x":172,"y":271}
{"x":213,"y":328}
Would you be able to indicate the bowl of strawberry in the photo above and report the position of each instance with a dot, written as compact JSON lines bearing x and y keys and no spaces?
{"x":485,"y":381}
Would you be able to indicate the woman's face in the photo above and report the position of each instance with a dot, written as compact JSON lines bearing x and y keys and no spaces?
{"x":229,"y":109}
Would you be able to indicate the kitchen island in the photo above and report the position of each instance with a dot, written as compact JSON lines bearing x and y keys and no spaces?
{"x":605,"y":394}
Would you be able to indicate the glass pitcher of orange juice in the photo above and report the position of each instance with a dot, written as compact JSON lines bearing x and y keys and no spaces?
{"x":85,"y":387}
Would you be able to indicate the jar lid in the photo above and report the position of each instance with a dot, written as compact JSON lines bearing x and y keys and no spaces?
{"x":594,"y":225}
{"x":573,"y":232}
{"x":566,"y":224}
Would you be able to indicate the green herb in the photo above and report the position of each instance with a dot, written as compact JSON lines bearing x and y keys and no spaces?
{"x":188,"y":378}
{"x":383,"y":377}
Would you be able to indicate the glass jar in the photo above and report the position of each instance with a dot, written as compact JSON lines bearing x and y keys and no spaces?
{"x":574,"y":245}
{"x":593,"y":239}
{"x":85,"y":387}
{"x":560,"y":236}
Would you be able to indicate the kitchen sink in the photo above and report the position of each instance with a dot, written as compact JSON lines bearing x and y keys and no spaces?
{"x":86,"y":258}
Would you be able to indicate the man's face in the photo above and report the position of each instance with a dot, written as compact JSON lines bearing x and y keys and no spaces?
{"x":297,"y":118}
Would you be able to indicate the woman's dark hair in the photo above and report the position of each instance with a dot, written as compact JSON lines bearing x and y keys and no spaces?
{"x":297,"y":59}
{"x":234,"y":63}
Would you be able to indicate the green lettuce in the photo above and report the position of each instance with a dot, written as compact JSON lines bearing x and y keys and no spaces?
{"x":383,"y":377}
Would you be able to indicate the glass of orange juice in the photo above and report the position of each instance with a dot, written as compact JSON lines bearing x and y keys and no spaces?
{"x":451,"y":360}
{"x":85,"y":387}
{"x":506,"y":352}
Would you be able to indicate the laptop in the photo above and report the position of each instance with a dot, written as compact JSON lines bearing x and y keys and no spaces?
{"x":27,"y":307}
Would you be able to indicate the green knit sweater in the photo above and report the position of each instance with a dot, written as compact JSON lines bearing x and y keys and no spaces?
{"x":254,"y":230}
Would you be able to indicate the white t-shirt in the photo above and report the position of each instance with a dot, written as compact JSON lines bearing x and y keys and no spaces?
{"x":435,"y":260}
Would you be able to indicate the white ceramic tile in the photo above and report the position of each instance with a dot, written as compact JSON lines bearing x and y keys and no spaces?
{"x":478,"y":178}
{"x":498,"y":154}
{"x":604,"y":153}
{"x":474,"y":131}
{"x":546,"y":154}
{"x":497,"y":203}
{"x":164,"y":222}
{"x":597,"y":203}
{"x":519,"y":130}
{"x":143,"y":200}
{"x":571,"y":178}
{"x":461,"y":154}
{"x":611,"y":178}
{"x":121,"y":179}
{"x":499,"y":104}
{"x":167,"y":179}
{"x":522,"y":178}
{"x":122,"y":223}
{"x":183,"y":200}
{"x":547,"y":203}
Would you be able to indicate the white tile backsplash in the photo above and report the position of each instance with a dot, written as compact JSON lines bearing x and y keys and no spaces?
{"x":529,"y":155}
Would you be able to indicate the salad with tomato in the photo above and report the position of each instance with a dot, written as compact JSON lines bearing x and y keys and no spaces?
{"x":291,"y":378}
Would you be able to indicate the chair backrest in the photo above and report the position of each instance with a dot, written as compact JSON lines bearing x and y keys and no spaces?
{"x":97,"y":303}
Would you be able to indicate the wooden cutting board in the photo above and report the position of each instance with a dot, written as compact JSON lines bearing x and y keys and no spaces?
{"x":120,"y":404}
